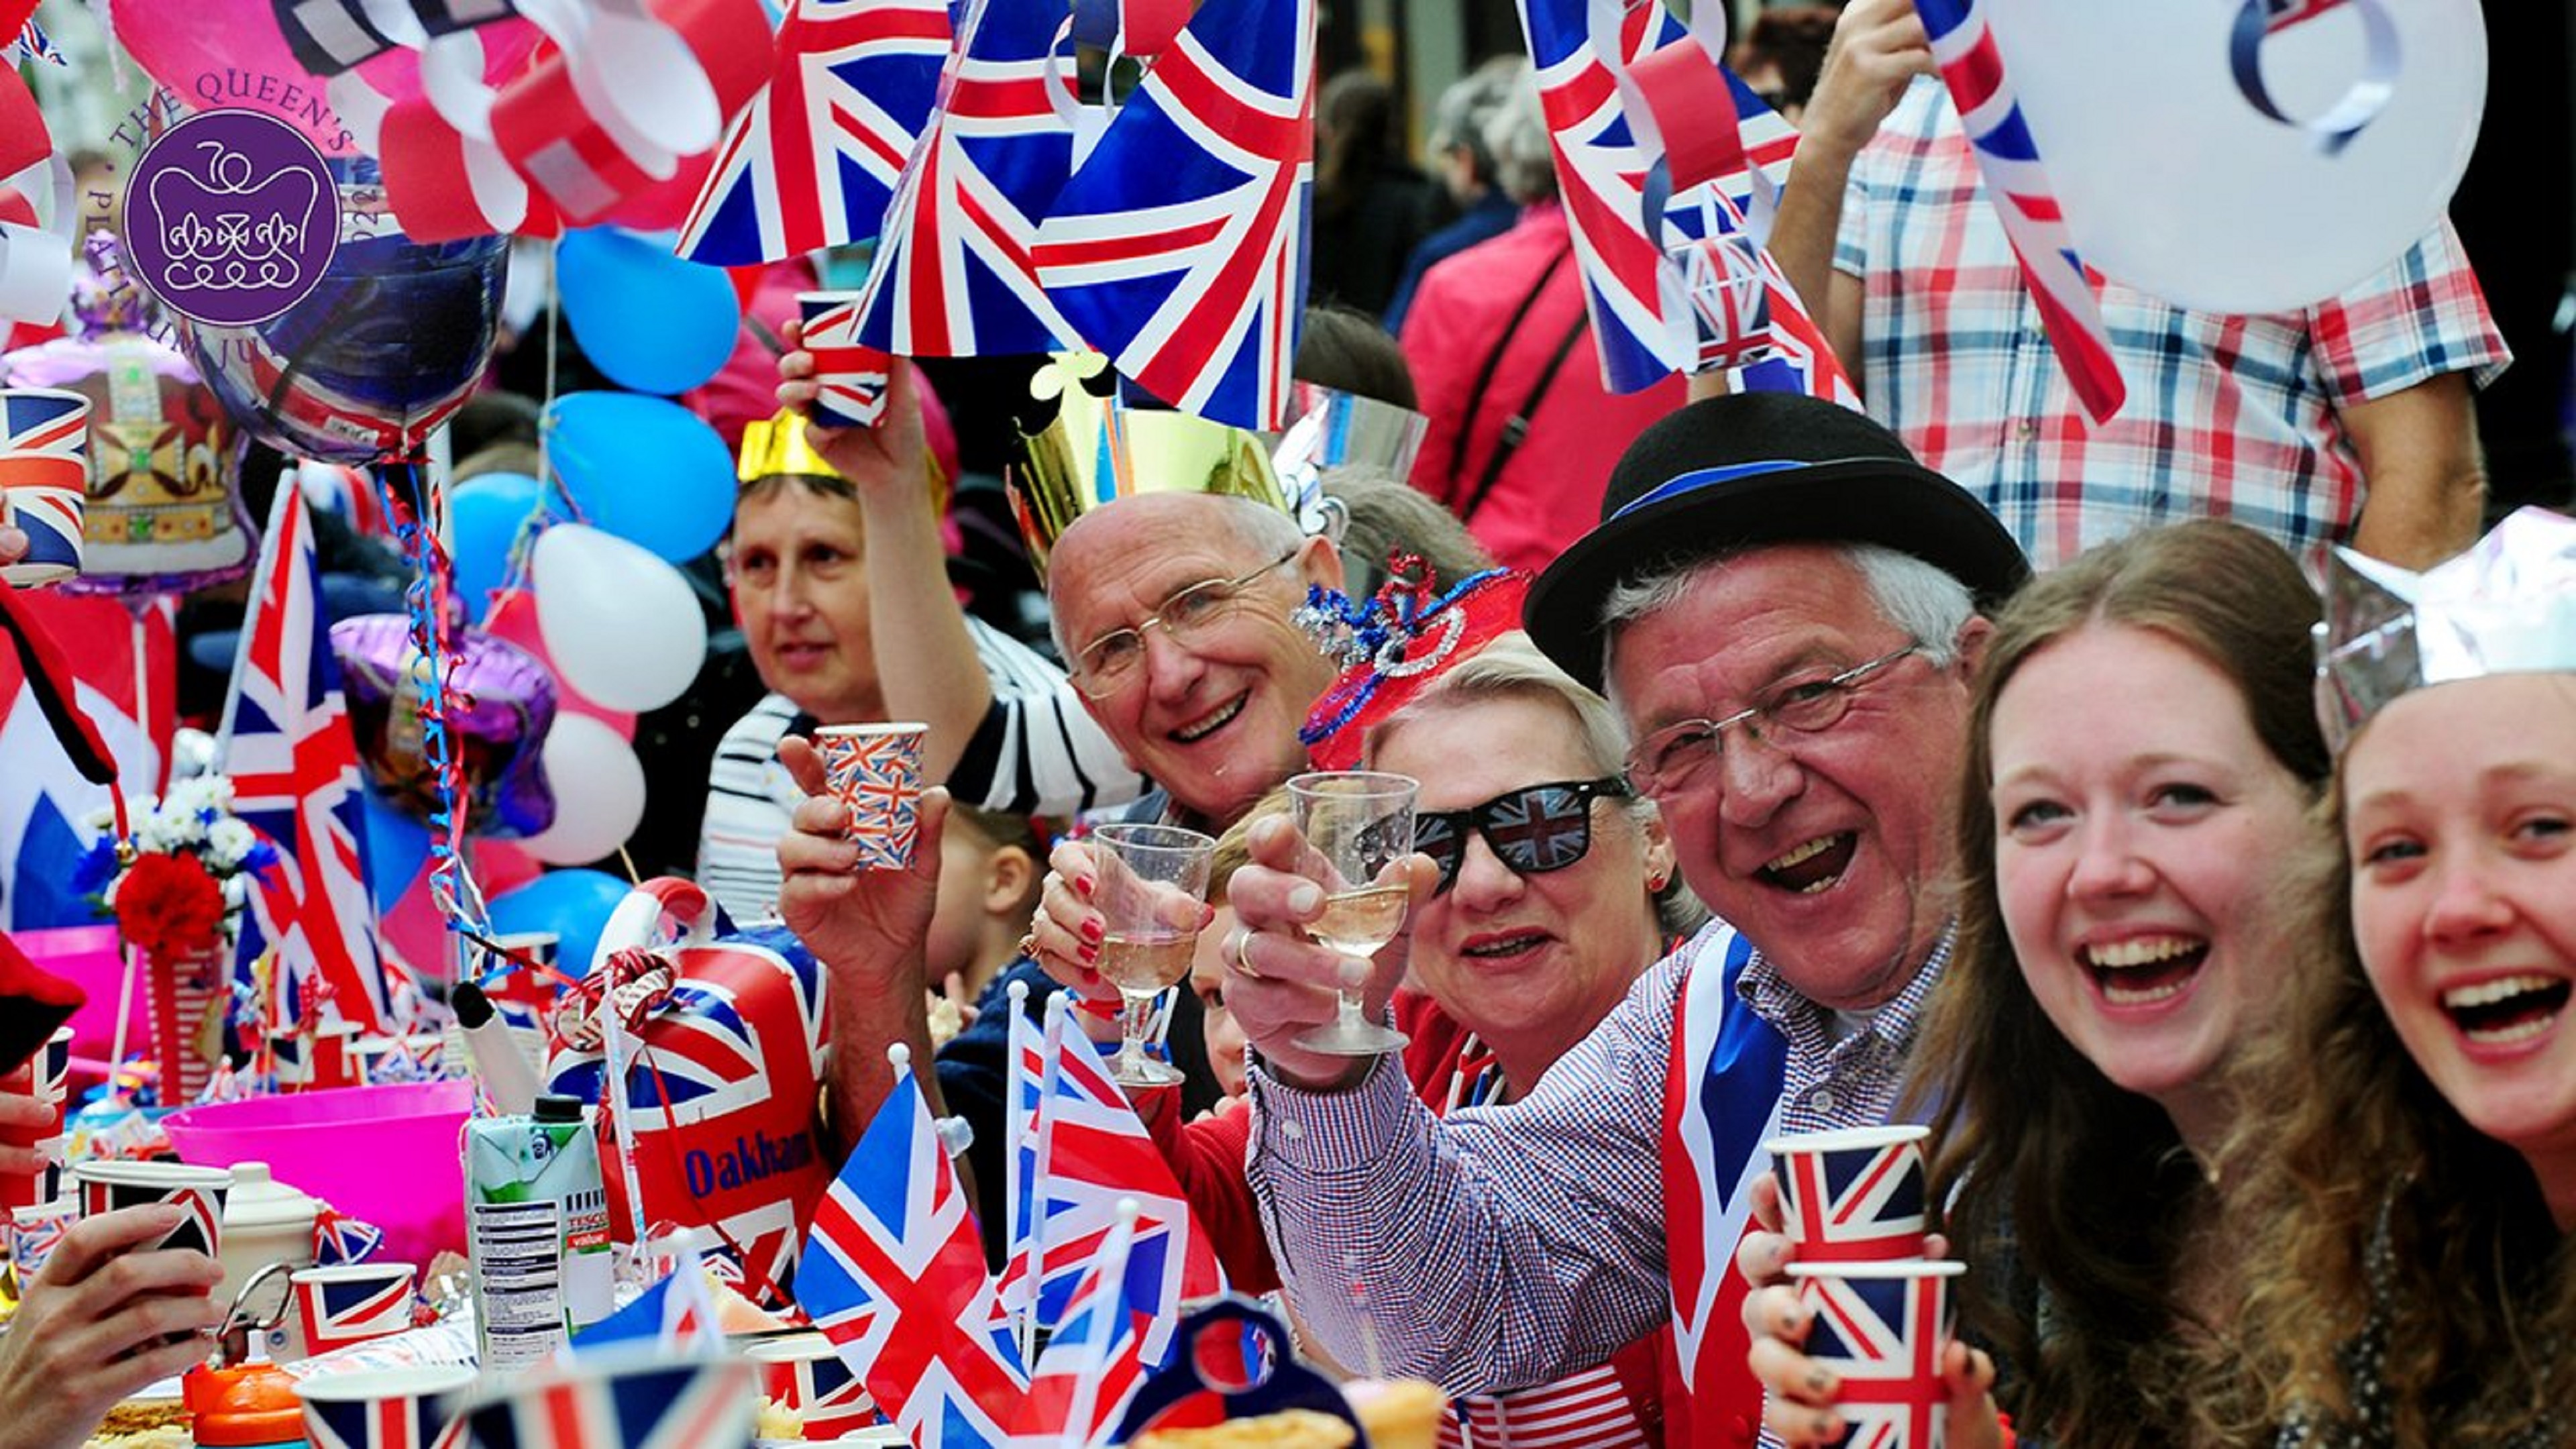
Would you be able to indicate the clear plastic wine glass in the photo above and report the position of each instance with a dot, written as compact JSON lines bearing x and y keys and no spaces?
{"x":1152,"y":884}
{"x":1359,"y":823}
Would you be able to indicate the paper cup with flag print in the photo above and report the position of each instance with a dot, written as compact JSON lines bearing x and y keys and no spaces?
{"x":351,"y":1303}
{"x":802,"y":1377}
{"x":196,"y":1191}
{"x":43,"y":1185}
{"x":849,"y":377}
{"x":1883,"y":1329}
{"x":875,"y":769}
{"x":1852,"y":1195}
{"x":44,"y":480}
{"x":34,"y":1233}
{"x":396,"y":1408}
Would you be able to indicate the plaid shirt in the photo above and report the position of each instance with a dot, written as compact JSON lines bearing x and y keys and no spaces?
{"x":1509,"y":1245}
{"x":2230,"y":415}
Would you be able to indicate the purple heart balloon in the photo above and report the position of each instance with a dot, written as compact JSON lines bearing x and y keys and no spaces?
{"x":501,"y":703}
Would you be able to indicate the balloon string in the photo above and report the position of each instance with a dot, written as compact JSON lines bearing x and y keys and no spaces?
{"x":417,"y":508}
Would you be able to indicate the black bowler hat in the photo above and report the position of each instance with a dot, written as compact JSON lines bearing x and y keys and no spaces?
{"x":1729,"y":473}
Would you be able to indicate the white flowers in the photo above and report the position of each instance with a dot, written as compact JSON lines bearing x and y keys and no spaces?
{"x":228,"y":843}
{"x":195,"y":817}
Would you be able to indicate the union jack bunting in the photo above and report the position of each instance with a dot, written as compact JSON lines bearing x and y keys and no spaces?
{"x":404,"y":1421}
{"x":44,"y":469}
{"x":893,"y":1274}
{"x":294,"y":766}
{"x":1090,"y":1368}
{"x":953,"y":276}
{"x":1883,"y":1337}
{"x":662,"y":1404}
{"x":2016,"y":183}
{"x":1091,"y":1151}
{"x":339,"y":1238}
{"x":1179,"y":247}
{"x":812,"y":162}
{"x":1855,"y":1201}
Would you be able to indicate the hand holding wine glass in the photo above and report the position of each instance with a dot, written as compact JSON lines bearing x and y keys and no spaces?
{"x":1152,"y":894}
{"x":1359,"y":824}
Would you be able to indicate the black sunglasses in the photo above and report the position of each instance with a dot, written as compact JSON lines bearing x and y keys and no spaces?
{"x":1534,"y":830}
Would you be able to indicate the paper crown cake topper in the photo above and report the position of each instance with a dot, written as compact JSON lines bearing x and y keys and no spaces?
{"x":1099,"y":450}
{"x":1397,"y":644}
{"x":2507,"y":606}
{"x":775,"y":445}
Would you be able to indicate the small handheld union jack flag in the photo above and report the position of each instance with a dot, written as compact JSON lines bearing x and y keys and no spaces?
{"x":1882,"y":1327}
{"x":1855,"y":1194}
{"x":1179,"y":247}
{"x":638,"y":1398}
{"x":387,"y":1409}
{"x":339,"y":1238}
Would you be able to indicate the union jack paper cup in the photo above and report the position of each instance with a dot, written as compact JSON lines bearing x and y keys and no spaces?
{"x":876,"y":770}
{"x":34,"y":1233}
{"x":1854,"y":1195}
{"x":351,"y":1303}
{"x":1883,"y":1328}
{"x":42,"y":1185}
{"x":620,"y":1398}
{"x":852,"y":377}
{"x":399,"y":1408}
{"x":44,"y":480}
{"x":803,"y":1374}
{"x":199,"y":1191}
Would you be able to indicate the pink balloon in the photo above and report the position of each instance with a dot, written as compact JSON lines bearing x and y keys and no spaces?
{"x":231,"y":53}
{"x":514,"y":618}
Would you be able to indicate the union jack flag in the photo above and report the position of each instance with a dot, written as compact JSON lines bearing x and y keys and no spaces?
{"x":812,"y":162}
{"x":660,"y":1404}
{"x":31,"y":1242}
{"x":953,"y":276}
{"x":1883,"y":1335}
{"x":353,"y":1304}
{"x":339,"y":1238}
{"x":44,"y":438}
{"x":34,"y":44}
{"x":1179,"y":247}
{"x":830,"y":1401}
{"x":675,"y":1312}
{"x":46,"y":806}
{"x":1854,"y":1200}
{"x":2009,"y":161}
{"x":294,"y":767}
{"x":1090,"y":1368}
{"x":404,"y":1421}
{"x":893,"y":1273}
{"x":1088,"y":1152}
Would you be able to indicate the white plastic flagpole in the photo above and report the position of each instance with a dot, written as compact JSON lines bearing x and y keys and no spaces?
{"x":1109,"y":1266}
{"x":124,"y":948}
{"x":1050,"y":1078}
{"x":1023,"y":1301}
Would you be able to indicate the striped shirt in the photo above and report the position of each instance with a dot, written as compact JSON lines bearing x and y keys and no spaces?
{"x":2226,"y":415}
{"x":1530,"y":1234}
{"x":1037,"y":752}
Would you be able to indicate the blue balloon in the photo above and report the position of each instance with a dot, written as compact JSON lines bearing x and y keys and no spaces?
{"x":645,"y":469}
{"x":574,"y":904}
{"x":486,"y":513}
{"x":649,"y":320}
{"x":397,"y":847}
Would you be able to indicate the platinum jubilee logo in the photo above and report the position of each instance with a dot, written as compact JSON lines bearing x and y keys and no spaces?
{"x":231,"y":217}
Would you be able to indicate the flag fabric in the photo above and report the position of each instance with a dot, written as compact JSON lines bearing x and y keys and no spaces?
{"x":2017,"y":184}
{"x":952,"y":275}
{"x":340,"y":1239}
{"x":893,"y":1274}
{"x":1023,"y":1187}
{"x":1091,"y":1366}
{"x":1091,"y":1151}
{"x":34,"y":44}
{"x":1179,"y":246}
{"x":812,"y":161}
{"x":294,"y":765}
{"x":675,"y":1312}
{"x":45,"y":806}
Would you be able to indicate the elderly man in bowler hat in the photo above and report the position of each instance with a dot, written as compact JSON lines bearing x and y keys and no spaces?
{"x":1785,"y":609}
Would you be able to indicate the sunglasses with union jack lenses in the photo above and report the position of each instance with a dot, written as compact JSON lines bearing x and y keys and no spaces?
{"x":1533,"y":830}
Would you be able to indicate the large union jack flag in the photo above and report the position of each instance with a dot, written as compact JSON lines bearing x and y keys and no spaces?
{"x":2018,"y":186}
{"x":1883,"y":1336}
{"x":1179,"y":247}
{"x":953,"y":276}
{"x":679,"y":1404}
{"x":893,"y":1273}
{"x":294,"y":766}
{"x":812,"y":161}
{"x":47,"y":810}
{"x":1087,"y":1152}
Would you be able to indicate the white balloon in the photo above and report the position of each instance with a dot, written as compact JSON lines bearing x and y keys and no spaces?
{"x":599,"y":792}
{"x":623,"y":627}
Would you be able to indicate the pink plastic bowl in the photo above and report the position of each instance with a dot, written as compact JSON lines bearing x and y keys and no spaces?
{"x":385,"y":1155}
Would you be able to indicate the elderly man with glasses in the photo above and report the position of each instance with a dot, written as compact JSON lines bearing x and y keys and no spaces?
{"x":1784,"y":609}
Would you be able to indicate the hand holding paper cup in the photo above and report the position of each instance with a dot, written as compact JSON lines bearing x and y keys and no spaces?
{"x":44,"y":480}
{"x":849,"y":377}
{"x":875,"y":770}
{"x":196,"y":1191}
{"x":1883,"y":1328}
{"x":1854,"y":1195}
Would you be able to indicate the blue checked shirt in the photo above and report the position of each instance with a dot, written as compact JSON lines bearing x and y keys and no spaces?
{"x":1510,"y":1245}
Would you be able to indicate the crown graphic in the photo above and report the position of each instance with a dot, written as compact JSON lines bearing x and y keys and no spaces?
{"x":227,"y":232}
{"x":2507,"y":606}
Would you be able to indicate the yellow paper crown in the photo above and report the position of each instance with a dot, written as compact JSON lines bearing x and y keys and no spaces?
{"x":775,"y":445}
{"x":1098,"y":451}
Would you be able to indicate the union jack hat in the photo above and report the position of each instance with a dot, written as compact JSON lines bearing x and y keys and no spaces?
{"x":1396,"y":646}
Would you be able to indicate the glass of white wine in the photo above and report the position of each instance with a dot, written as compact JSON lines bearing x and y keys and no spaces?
{"x":1359,"y":823}
{"x":1152,"y":886}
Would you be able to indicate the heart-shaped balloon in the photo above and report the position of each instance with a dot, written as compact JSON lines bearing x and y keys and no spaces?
{"x":500,"y":707}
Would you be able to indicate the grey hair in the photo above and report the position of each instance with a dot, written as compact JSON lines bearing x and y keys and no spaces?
{"x":1516,"y":133}
{"x":1387,"y":514}
{"x":1513,"y":667}
{"x":1917,"y":596}
{"x":1460,"y":116}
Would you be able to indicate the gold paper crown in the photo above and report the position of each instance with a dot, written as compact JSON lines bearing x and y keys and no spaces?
{"x":1098,"y":451}
{"x":775,"y":445}
{"x":2507,"y":606}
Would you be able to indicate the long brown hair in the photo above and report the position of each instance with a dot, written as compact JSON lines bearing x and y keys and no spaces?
{"x":2061,"y":1184}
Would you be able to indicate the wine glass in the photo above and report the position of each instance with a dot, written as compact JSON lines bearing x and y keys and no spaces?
{"x":1360,"y":824}
{"x":1152,"y":889}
